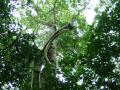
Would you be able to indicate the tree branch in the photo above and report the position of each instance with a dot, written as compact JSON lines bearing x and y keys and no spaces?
{"x":65,"y":28}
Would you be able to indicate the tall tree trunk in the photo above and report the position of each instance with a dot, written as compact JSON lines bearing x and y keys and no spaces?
{"x":36,"y":82}
{"x":49,"y":72}
{"x":52,"y":48}
{"x":35,"y":79}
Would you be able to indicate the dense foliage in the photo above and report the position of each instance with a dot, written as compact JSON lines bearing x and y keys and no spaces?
{"x":88,"y":57}
{"x":103,"y":51}
{"x":16,"y":51}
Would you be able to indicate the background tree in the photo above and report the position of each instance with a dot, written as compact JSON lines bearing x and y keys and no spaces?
{"x":16,"y":49}
{"x":102,"y":55}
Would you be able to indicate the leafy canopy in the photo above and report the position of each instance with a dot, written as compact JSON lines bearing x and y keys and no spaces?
{"x":89,"y":54}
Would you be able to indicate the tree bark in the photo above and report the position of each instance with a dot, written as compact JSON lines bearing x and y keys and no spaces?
{"x":35,"y":82}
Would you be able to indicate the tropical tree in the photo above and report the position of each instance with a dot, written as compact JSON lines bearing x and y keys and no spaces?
{"x":47,"y":44}
{"x":56,"y":17}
